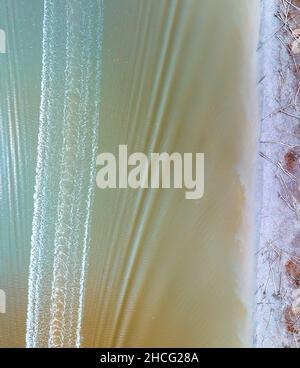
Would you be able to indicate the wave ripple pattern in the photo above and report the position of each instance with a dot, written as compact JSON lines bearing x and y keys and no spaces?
{"x":67,"y":148}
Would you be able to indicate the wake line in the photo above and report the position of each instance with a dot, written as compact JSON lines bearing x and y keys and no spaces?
{"x":65,"y":176}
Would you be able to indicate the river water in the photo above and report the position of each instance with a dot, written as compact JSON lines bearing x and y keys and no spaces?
{"x":83,"y":266}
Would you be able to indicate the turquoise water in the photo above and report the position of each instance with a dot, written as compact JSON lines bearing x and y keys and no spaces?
{"x":20,"y":74}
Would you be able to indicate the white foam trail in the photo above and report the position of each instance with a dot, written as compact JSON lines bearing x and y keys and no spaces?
{"x":65,"y":174}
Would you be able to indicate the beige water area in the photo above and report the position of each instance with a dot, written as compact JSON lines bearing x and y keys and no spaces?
{"x":178,"y":76}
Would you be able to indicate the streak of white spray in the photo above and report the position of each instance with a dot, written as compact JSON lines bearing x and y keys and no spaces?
{"x":65,"y":175}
